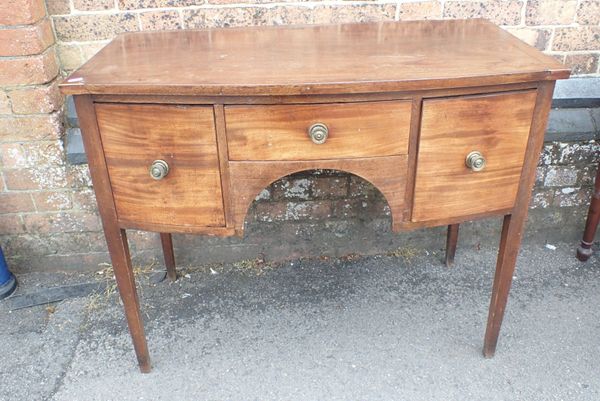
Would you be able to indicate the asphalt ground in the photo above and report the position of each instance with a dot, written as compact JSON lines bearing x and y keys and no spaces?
{"x":399,"y":326}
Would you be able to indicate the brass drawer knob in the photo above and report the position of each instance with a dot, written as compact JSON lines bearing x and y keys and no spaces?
{"x":159,"y":169}
{"x":475,"y":161}
{"x":318,"y":133}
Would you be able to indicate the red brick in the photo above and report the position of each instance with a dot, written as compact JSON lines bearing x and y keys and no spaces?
{"x":11,"y":224}
{"x":550,"y":12}
{"x":588,"y":174}
{"x":588,"y":12}
{"x":420,"y":10}
{"x":582,"y":63}
{"x":14,"y":202}
{"x":288,"y":14}
{"x":93,"y":5}
{"x":541,"y":198}
{"x":31,"y":128}
{"x":21,"y":12}
{"x":40,"y":99}
{"x":569,"y":197}
{"x":137,"y":4}
{"x":291,"y":211}
{"x":24,"y":41}
{"x":29,"y":70}
{"x":292,"y":188}
{"x":577,"y":38}
{"x":58,"y":7}
{"x":328,"y":187}
{"x":93,"y":27}
{"x":84,"y":200}
{"x":31,"y":154}
{"x":63,"y":222}
{"x":46,"y":177}
{"x":160,"y":20}
{"x":69,"y":55}
{"x":143,"y":240}
{"x":5,"y":107}
{"x":47,"y":201}
{"x":560,"y":176}
{"x":501,"y":12}
{"x":331,"y":14}
{"x":79,"y":176}
{"x":267,"y":211}
{"x":360,"y":187}
{"x":89,"y":241}
{"x":346,"y":208}
{"x":64,"y":243}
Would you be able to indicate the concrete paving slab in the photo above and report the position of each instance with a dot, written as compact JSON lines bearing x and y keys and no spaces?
{"x":386,"y":327}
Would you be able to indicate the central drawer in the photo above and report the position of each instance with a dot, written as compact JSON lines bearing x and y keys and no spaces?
{"x":318,"y":131}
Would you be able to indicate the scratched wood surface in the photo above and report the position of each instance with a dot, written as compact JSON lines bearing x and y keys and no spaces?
{"x":281,"y":132}
{"x":497,"y":126}
{"x":133,"y":136}
{"x":317,"y":59}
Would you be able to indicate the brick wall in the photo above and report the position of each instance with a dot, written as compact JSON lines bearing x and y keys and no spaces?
{"x":48,"y":218}
{"x":566,"y":29}
{"x":37,"y":202}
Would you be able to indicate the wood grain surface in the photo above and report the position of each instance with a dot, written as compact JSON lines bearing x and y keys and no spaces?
{"x":229,"y":109}
{"x":317,"y":59}
{"x":116,"y":238}
{"x":497,"y":126}
{"x":281,"y":132}
{"x":311,"y":98}
{"x":514,"y":223}
{"x":133,"y":136}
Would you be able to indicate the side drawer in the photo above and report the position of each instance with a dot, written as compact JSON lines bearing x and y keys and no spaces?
{"x":281,"y":132}
{"x":134,"y":136}
{"x":497,"y":126}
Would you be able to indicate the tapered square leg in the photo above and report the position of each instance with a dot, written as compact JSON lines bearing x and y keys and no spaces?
{"x":451,"y":241}
{"x":505,"y":267}
{"x":585,"y":249}
{"x":116,"y":239}
{"x":166,"y":241}
{"x":513,"y":224}
{"x":121,"y":261}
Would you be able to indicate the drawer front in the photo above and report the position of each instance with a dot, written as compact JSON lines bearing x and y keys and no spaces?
{"x":281,"y":132}
{"x":495,"y":125}
{"x":134,"y":136}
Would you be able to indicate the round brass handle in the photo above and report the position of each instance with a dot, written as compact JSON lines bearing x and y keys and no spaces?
{"x":475,"y":161}
{"x":159,"y":169}
{"x":318,"y":133}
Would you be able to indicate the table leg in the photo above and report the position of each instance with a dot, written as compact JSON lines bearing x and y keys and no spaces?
{"x":116,"y":239}
{"x":510,"y":241}
{"x":451,"y":240}
{"x":121,"y":260}
{"x":513,"y":225}
{"x":585,"y":249}
{"x":166,"y":241}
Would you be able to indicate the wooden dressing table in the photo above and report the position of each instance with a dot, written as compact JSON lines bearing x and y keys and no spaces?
{"x":183,"y":129}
